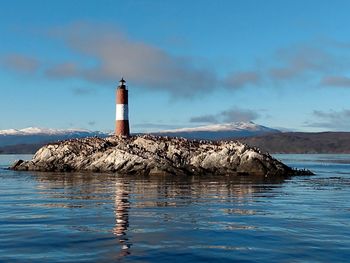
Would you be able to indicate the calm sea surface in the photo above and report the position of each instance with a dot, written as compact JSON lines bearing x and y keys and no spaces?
{"x":62,"y":217}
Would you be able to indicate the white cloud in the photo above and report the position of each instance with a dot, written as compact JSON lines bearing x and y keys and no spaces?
{"x":20,"y":63}
{"x":334,"y":120}
{"x":140,"y":63}
{"x":230,"y":115}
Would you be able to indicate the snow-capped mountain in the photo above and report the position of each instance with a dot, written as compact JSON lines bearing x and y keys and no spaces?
{"x":220,"y":131}
{"x":37,"y":131}
{"x":30,"y":139}
{"x":34,"y":135}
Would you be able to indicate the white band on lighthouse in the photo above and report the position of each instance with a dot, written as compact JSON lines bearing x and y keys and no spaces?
{"x":122,"y":112}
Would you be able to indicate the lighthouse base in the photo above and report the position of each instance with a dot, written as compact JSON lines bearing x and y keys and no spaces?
{"x":122,"y":128}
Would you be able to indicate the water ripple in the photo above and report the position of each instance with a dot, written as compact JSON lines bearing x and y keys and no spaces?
{"x":58,"y":217}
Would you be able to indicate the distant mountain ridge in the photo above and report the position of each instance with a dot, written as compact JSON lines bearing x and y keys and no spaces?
{"x":302,"y":142}
{"x":38,"y":131}
{"x":28,"y":140}
{"x":40,"y":136}
{"x":220,"y":131}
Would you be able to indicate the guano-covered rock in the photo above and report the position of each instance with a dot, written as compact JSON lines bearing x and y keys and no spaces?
{"x":148,"y":154}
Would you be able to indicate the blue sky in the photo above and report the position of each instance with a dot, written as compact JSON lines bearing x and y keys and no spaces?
{"x":281,"y":64}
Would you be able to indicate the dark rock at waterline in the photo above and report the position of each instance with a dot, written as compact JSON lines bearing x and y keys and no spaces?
{"x":148,"y":154}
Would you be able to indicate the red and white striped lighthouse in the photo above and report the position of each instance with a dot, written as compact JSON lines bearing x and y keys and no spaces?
{"x":122,"y":112}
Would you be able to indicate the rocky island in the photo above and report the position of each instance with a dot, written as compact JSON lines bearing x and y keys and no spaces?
{"x":146,"y":154}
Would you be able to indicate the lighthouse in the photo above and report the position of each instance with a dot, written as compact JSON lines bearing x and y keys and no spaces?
{"x":122,"y":112}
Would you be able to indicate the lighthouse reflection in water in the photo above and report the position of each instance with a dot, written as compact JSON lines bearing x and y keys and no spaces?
{"x":122,"y":207}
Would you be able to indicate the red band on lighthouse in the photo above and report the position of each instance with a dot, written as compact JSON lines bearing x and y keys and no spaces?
{"x":122,"y":111}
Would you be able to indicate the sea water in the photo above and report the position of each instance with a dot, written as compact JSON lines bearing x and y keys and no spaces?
{"x":90,"y":217}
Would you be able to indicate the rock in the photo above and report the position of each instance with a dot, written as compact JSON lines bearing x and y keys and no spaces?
{"x":146,"y":154}
{"x":17,"y":164}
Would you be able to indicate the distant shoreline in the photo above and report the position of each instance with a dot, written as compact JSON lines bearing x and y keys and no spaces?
{"x":275,"y":143}
{"x":302,"y":142}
